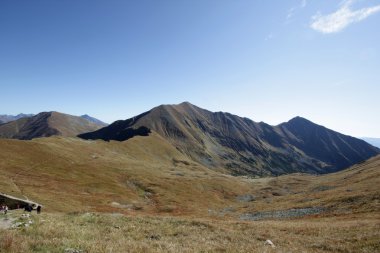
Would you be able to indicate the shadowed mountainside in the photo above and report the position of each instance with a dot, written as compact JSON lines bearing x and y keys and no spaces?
{"x":326,"y":145}
{"x":373,"y":141}
{"x":46,"y":124}
{"x":240,"y":145}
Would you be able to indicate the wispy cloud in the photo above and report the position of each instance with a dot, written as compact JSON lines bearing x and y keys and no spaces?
{"x":294,"y":9}
{"x":269,"y":37}
{"x":303,"y":3}
{"x":343,"y":17}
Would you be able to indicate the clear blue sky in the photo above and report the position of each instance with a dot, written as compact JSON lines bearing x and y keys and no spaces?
{"x":267,"y":60}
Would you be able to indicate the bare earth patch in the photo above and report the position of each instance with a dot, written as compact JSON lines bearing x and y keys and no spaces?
{"x":6,"y":221}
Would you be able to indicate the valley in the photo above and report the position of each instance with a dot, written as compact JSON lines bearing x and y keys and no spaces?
{"x":153,"y":193}
{"x":144,"y":195}
{"x":189,"y":126}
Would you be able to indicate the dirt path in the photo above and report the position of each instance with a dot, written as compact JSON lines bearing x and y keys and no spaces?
{"x":5,"y":221}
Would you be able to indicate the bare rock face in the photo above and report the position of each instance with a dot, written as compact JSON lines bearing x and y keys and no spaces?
{"x":240,"y":145}
{"x":269,"y":243}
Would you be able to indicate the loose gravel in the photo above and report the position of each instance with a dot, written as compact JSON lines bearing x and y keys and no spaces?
{"x":282,"y":214}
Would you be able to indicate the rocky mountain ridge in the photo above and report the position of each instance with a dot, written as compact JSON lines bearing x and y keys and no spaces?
{"x":46,"y":124}
{"x":240,"y":145}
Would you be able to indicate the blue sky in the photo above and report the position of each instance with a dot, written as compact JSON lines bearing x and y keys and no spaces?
{"x":267,"y":60}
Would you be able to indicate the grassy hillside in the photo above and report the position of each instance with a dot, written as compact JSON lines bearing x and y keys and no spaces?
{"x":89,"y":232}
{"x":144,"y":174}
{"x":148,"y":175}
{"x":144,"y":195}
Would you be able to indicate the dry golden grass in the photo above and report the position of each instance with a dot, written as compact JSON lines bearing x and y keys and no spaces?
{"x":145,"y":174}
{"x":145,"y":196}
{"x":116,"y":233}
{"x":354,"y":190}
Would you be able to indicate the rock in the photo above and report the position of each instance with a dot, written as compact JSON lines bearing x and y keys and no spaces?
{"x":283,"y":214}
{"x":17,"y":224}
{"x":269,"y":243}
{"x":154,"y":237}
{"x":323,"y":188}
{"x":245,"y":198}
{"x":227,"y":210}
{"x":22,"y":224}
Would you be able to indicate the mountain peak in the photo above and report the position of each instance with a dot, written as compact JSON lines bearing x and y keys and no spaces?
{"x":46,"y":124}
{"x":186,"y":103}
{"x":94,"y":120}
{"x":8,"y":118}
{"x":180,"y":105}
{"x":224,"y":140}
{"x":299,"y":119}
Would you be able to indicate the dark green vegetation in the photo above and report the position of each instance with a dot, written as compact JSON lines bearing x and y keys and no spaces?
{"x":241,"y":146}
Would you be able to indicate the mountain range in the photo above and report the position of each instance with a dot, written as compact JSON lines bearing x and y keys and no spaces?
{"x":94,"y":120}
{"x":240,"y":146}
{"x":220,"y":141}
{"x":47,"y":124}
{"x":7,"y":118}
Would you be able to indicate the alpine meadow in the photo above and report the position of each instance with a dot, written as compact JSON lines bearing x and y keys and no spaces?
{"x":189,"y":126}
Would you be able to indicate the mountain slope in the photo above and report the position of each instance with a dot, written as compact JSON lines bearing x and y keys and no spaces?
{"x":373,"y":141}
{"x":148,"y":175}
{"x":326,"y":145}
{"x":141,"y":174}
{"x":94,"y":120}
{"x":142,"y":194}
{"x":8,"y":118}
{"x":240,"y":145}
{"x":46,"y":124}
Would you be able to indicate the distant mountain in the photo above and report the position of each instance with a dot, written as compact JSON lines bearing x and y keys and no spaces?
{"x":94,"y":120}
{"x":240,"y":145}
{"x":326,"y":145}
{"x":7,"y":118}
{"x":373,"y":141}
{"x":46,"y":124}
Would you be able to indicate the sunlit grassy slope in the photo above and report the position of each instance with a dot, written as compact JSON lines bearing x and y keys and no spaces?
{"x":89,"y":232}
{"x":148,"y":175}
{"x":144,"y":174}
{"x":143,"y":195}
